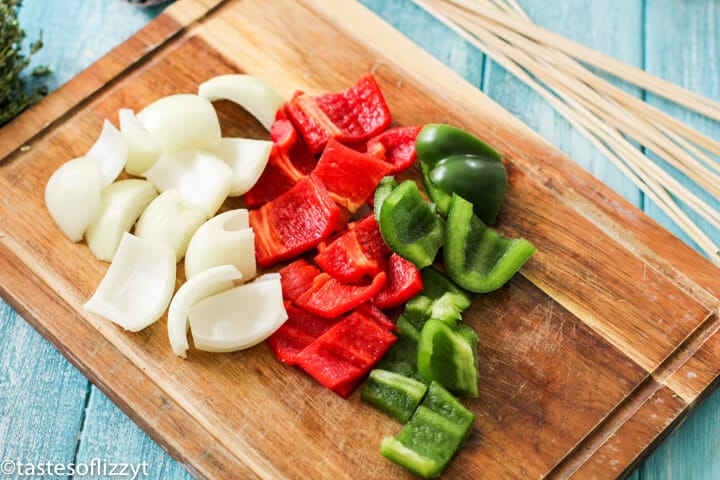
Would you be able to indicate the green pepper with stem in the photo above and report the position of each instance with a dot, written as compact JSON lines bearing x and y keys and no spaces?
{"x":477,"y":257}
{"x":454,"y":161}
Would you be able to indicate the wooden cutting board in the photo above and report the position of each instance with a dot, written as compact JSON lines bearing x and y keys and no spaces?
{"x":602,"y":345}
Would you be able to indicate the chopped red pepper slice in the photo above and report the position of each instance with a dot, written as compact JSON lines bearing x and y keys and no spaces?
{"x":376,"y":315}
{"x":344,"y":354}
{"x":299,"y":330}
{"x":396,"y":146}
{"x":345,"y":260}
{"x":350,"y":176}
{"x":289,"y":161}
{"x":403,"y":283}
{"x":294,"y":222}
{"x":297,"y":277}
{"x":330,"y":298}
{"x":370,"y":239}
{"x":352,"y":116}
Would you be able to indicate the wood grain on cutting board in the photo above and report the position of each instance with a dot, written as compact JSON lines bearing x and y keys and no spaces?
{"x":586,"y":358}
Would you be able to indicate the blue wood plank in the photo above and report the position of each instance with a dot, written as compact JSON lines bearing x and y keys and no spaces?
{"x":111,"y":436}
{"x":683,"y":46}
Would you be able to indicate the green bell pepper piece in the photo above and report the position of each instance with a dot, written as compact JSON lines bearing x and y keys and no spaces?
{"x":410,"y":226}
{"x":433,"y":436}
{"x":386,"y":185}
{"x":449,"y":356}
{"x":440,"y":298}
{"x":402,"y":357}
{"x":477,"y":257}
{"x":454,"y":161}
{"x":394,"y":394}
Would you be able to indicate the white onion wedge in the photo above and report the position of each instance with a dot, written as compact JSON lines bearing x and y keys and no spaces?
{"x":72,"y":196}
{"x":253,"y":94}
{"x":201,"y":178}
{"x":225,"y":239}
{"x":143,"y":150}
{"x":247,"y":158}
{"x":121,"y":203}
{"x":208,"y":282}
{"x":110,"y":151}
{"x":170,"y":221}
{"x":137,"y":287}
{"x":240,"y":317}
{"x":179,"y":122}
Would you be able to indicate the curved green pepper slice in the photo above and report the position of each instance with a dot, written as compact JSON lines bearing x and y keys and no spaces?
{"x":410,"y":226}
{"x":477,"y":257}
{"x":454,"y":161}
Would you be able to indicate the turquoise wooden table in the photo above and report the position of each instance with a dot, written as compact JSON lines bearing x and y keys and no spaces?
{"x":50,"y":412}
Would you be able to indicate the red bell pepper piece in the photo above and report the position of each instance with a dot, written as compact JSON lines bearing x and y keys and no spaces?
{"x":344,"y":354}
{"x":294,"y":222}
{"x":297,"y":277}
{"x":350,"y":176}
{"x":352,"y":116}
{"x":299,"y":330}
{"x":289,"y":161}
{"x":370,"y":239}
{"x":396,"y":146}
{"x":330,"y":298}
{"x":345,"y":260}
{"x":403,"y":283}
{"x":375,"y":314}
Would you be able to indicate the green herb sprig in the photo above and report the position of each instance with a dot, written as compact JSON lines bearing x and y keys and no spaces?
{"x":14,"y":96}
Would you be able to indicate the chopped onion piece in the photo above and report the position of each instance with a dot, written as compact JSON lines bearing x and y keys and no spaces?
{"x":121,"y":203}
{"x":170,"y":221}
{"x":240,"y":317}
{"x":137,"y":287}
{"x":253,"y":94}
{"x":143,"y":150}
{"x":223,"y":240}
{"x":72,"y":196}
{"x":110,"y":151}
{"x":179,"y":122}
{"x":247,"y":158}
{"x":202,"y":179}
{"x":209,"y":282}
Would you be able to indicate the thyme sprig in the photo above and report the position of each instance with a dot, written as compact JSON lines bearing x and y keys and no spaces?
{"x":14,"y":95}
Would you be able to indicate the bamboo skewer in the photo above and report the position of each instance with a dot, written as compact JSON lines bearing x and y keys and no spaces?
{"x":602,"y":112}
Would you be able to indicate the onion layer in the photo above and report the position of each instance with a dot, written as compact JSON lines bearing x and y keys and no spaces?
{"x":223,"y":240}
{"x":179,"y":122}
{"x":110,"y":151}
{"x":170,"y":221}
{"x":240,"y":317}
{"x":254,"y":95}
{"x":121,"y":203}
{"x":208,"y":282}
{"x":202,"y":179}
{"x":143,"y":150}
{"x":72,"y":196}
{"x":137,"y":287}
{"x":247,"y":158}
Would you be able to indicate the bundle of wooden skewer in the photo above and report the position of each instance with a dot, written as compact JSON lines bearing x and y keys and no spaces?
{"x":610,"y":118}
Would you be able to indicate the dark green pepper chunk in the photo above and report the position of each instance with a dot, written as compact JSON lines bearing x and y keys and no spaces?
{"x":477,"y":257}
{"x":410,"y":226}
{"x":393,"y":393}
{"x":478,"y":180}
{"x":440,"y":298}
{"x":454,"y":161}
{"x":449,"y":356}
{"x":402,"y":356}
{"x":433,"y":436}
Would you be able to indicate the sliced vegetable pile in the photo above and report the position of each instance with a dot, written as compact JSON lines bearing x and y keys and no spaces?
{"x":341,"y":265}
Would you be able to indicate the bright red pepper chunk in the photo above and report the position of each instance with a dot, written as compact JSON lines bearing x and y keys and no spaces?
{"x":352,"y":116}
{"x":299,"y":330}
{"x":345,"y":260}
{"x":297,"y":277}
{"x":375,"y":314}
{"x":350,"y":176}
{"x":294,"y":222}
{"x":344,"y":354}
{"x":396,"y":146}
{"x":370,"y":239}
{"x":330,"y":298}
{"x":403,"y":283}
